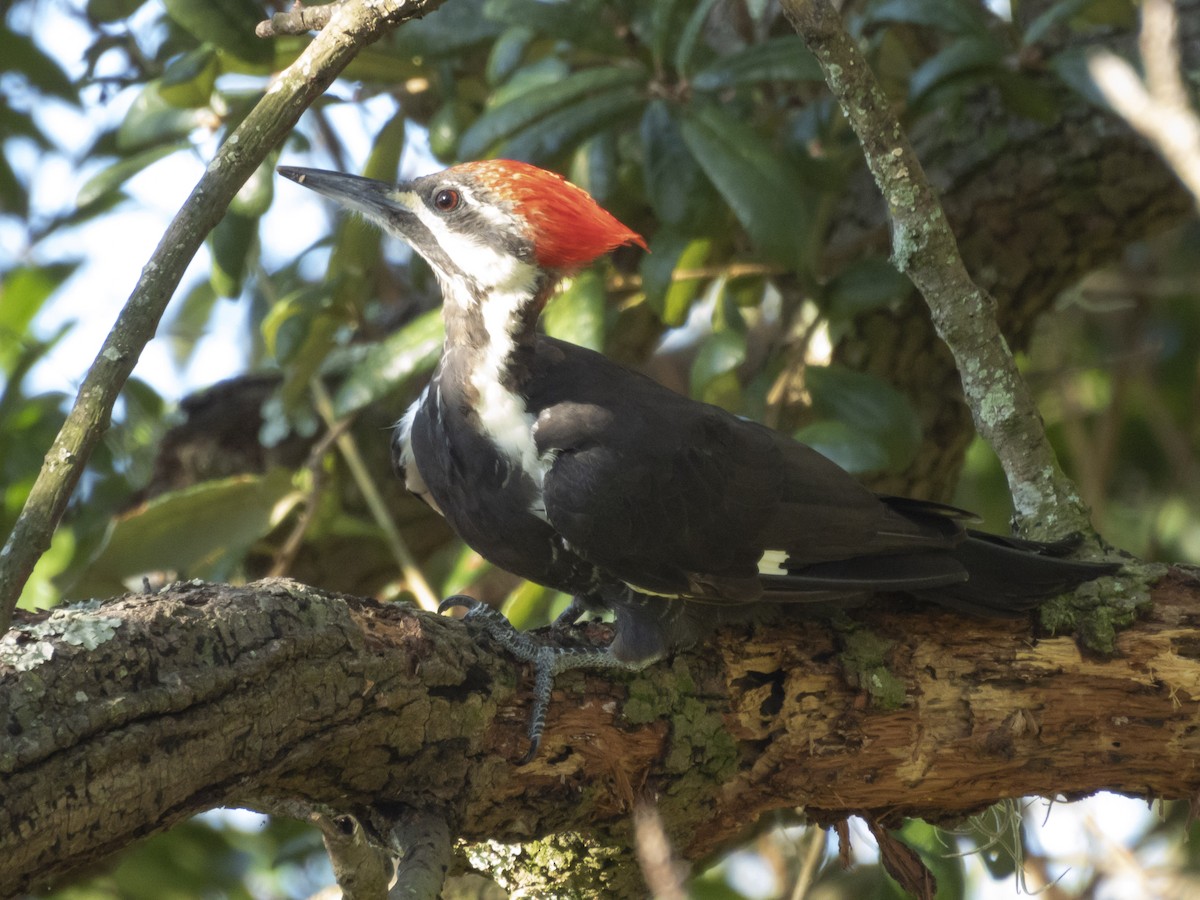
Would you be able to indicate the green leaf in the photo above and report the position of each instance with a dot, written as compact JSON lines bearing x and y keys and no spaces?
{"x":507,"y":53}
{"x":112,"y":10}
{"x":226,"y":24}
{"x":188,"y":81}
{"x":108,"y":180}
{"x":1073,"y":68}
{"x":953,"y":16}
{"x":555,"y":134}
{"x":785,"y":59}
{"x":1029,"y":96}
{"x":21,"y":54}
{"x":374,"y":65}
{"x":869,"y":406}
{"x":189,"y":321}
{"x":587,"y":24}
{"x":847,"y":446}
{"x":445,"y":128}
{"x":764,"y":193}
{"x":199,"y":531}
{"x":505,"y":120}
{"x":285,"y":328}
{"x":675,"y":185}
{"x":254,"y":197}
{"x":234,"y":245}
{"x":867,"y":284}
{"x":690,"y":36}
{"x":393,"y":364}
{"x":963,"y":56}
{"x":447,"y":31}
{"x":577,"y":314}
{"x":671,"y":300}
{"x":719,"y":356}
{"x":25,"y":290}
{"x":151,"y":120}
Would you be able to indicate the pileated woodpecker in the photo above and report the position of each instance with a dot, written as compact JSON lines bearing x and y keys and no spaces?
{"x":565,"y":468}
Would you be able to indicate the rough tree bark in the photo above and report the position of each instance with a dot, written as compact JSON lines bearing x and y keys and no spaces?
{"x":123,"y":718}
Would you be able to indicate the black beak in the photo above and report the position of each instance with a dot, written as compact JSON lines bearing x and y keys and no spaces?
{"x":387,"y":204}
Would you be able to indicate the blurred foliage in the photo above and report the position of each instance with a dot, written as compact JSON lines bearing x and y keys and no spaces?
{"x":702,"y":124}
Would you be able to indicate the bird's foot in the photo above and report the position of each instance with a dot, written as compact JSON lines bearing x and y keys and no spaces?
{"x":548,"y":662}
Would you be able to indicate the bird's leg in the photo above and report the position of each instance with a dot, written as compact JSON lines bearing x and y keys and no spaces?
{"x":548,"y":662}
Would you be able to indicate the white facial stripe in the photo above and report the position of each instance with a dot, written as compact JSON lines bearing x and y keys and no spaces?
{"x":508,"y":284}
{"x":501,"y":412}
{"x":772,"y":562}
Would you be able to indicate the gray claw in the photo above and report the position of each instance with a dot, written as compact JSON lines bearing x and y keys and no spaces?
{"x":468,"y":603}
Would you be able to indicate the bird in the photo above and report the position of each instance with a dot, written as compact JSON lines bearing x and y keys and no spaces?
{"x":563,"y":467}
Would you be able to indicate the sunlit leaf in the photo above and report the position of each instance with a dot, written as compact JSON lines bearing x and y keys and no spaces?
{"x":714,"y":370}
{"x":234,"y":246}
{"x":577,"y":314}
{"x":198,"y":531}
{"x":189,"y":80}
{"x":152,"y":120}
{"x":670,"y":250}
{"x":392,"y":364}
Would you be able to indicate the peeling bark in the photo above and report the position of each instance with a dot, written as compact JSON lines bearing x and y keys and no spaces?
{"x":123,"y":718}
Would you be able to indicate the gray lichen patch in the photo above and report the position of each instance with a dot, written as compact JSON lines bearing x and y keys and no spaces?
{"x":27,"y":646}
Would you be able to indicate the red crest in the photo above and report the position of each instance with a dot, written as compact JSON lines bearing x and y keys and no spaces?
{"x":569,"y":228}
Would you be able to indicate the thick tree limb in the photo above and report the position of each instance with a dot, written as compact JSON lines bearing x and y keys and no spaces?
{"x":213,"y":695}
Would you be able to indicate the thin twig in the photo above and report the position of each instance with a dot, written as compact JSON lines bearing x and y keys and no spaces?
{"x":287,"y":553}
{"x":924,"y":248}
{"x":660,"y":867}
{"x":1158,"y":107}
{"x":814,"y":850}
{"x":346,"y":445}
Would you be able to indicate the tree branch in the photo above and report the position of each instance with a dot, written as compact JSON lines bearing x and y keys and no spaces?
{"x":222,"y":696}
{"x":924,"y":248}
{"x":355,"y":24}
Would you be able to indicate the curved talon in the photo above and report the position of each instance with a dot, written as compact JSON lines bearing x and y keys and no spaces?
{"x":534,"y":745}
{"x":468,"y":603}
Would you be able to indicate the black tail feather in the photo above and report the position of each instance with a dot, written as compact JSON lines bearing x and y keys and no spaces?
{"x":1010,"y":576}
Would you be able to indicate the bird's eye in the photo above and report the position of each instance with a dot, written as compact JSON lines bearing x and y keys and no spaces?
{"x":446,"y":200}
